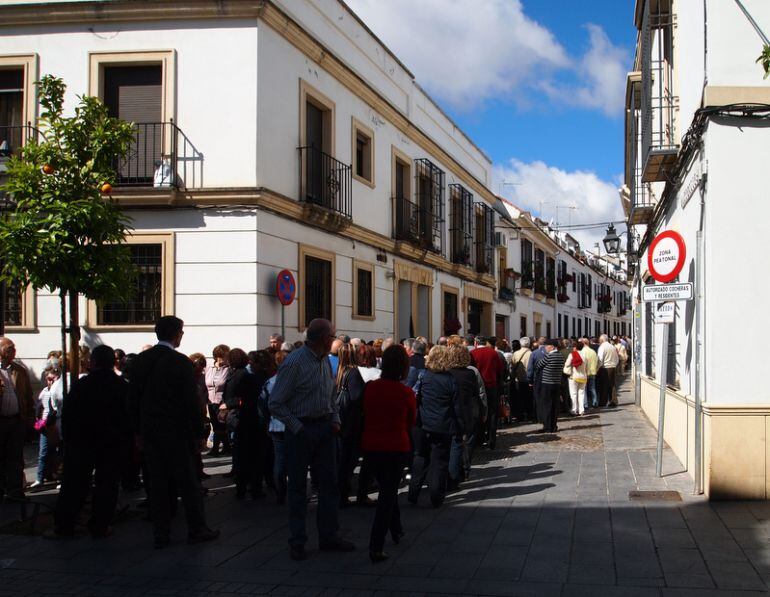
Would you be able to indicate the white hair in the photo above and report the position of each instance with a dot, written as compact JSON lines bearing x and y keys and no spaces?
{"x":603,"y":338}
{"x":524,"y":342}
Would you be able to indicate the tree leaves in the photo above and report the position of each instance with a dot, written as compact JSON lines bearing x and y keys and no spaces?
{"x":764,"y":58}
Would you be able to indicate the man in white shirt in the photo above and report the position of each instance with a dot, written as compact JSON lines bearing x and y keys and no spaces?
{"x":605,"y":377}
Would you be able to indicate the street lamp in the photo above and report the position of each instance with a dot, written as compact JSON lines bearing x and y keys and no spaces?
{"x":612,"y":241}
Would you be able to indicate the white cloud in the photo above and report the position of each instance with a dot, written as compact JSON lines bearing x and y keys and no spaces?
{"x":603,"y":69}
{"x":536,"y":186}
{"x":465,"y":51}
{"x":468,"y":51}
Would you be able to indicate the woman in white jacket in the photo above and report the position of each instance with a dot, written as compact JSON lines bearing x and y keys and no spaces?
{"x":575,"y":367}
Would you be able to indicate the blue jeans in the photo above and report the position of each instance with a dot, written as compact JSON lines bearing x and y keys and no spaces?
{"x":315,"y":446}
{"x":591,"y":392}
{"x":42,"y":458}
{"x":279,"y":464}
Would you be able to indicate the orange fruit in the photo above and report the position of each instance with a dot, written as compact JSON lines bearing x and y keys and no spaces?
{"x":106,"y":188}
{"x":48,"y":169}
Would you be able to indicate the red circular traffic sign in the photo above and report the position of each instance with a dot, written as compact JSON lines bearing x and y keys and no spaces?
{"x":666,"y":256}
{"x":285,"y":287}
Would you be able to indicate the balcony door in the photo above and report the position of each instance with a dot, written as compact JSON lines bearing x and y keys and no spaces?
{"x":414,"y":310}
{"x":11,"y":110}
{"x":135,"y":94}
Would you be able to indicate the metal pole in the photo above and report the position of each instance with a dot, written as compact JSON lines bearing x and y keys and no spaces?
{"x":283,"y":321}
{"x":662,"y":401}
{"x":698,"y":476}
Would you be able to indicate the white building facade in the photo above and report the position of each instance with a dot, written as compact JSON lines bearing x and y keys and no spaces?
{"x":697,"y":149}
{"x":548,"y":286}
{"x":270,"y":136}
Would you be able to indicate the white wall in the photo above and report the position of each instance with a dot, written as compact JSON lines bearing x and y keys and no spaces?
{"x":216,"y":80}
{"x":332,"y":23}
{"x":737,"y":212}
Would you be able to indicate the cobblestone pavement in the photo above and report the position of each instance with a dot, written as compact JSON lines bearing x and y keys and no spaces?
{"x":542,"y":515}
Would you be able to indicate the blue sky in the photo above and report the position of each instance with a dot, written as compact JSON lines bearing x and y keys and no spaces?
{"x":538,"y":84}
{"x":567,"y":137}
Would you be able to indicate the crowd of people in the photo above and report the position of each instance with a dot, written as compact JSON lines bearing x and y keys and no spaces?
{"x":404,"y":413}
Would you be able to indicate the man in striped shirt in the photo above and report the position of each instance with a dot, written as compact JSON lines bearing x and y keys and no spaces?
{"x":550,"y":368}
{"x":303,"y":399}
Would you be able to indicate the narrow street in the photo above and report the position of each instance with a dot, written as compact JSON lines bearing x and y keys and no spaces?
{"x":541,"y":516}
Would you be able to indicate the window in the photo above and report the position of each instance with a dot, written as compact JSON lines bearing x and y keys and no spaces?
{"x":597,"y":329}
{"x":566,"y":326}
{"x":539,"y":271}
{"x":523,"y":325}
{"x":153,"y":295}
{"x":144,"y":306}
{"x":11,"y":106}
{"x":363,"y":290}
{"x":363,"y":153}
{"x":574,"y":280}
{"x":484,"y":232}
{"x":558,"y":325}
{"x":527,"y":273}
{"x":548,"y":328}
{"x":18,"y":98}
{"x":428,"y":214}
{"x":13,"y":304}
{"x":550,"y":277}
{"x":19,"y":307}
{"x":317,"y":296}
{"x":579,"y":327}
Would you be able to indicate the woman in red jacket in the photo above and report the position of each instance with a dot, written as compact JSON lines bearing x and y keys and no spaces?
{"x":390,"y":409}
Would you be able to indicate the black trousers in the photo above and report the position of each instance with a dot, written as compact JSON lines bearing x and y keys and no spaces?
{"x":522,"y":404}
{"x":12,"y":433}
{"x":84,"y":464}
{"x":247,"y":459}
{"x":549,"y":396}
{"x":431,"y":462}
{"x":605,"y":386}
{"x":493,"y":409}
{"x":350,"y":452}
{"x":171,"y":464}
{"x":386,"y":468}
{"x":221,"y":436}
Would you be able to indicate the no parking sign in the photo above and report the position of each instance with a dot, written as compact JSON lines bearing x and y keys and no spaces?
{"x":285,"y":287}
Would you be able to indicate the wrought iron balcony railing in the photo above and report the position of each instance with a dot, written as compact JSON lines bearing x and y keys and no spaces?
{"x":160,"y":156}
{"x":659,"y":101}
{"x":416,"y":225}
{"x":461,"y":224}
{"x":325,"y":182}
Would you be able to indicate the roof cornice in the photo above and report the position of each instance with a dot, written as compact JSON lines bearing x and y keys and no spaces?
{"x":125,"y":11}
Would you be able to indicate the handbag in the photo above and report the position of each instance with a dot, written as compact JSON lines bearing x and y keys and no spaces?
{"x":504,"y":410}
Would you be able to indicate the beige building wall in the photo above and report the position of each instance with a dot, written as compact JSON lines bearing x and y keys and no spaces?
{"x":736,"y":442}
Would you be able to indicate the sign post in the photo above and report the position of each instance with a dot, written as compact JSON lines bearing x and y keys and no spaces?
{"x":665,"y":260}
{"x":286,"y":291}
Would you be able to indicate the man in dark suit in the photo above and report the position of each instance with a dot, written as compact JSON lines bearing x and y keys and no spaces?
{"x":97,"y":435}
{"x":167,"y":416}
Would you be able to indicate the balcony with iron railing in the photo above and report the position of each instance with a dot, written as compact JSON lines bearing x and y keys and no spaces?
{"x":507,"y":290}
{"x":659,"y":103}
{"x":160,"y":156}
{"x":417,"y":225}
{"x":325,"y":188}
